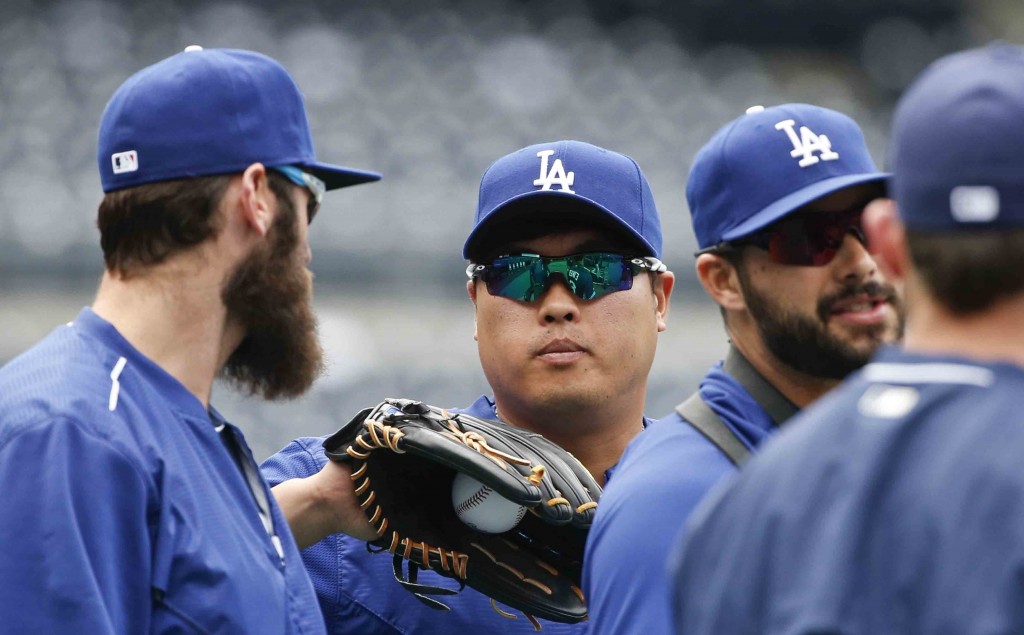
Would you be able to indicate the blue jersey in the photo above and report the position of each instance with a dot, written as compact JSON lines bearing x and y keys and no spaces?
{"x":357,"y":590}
{"x":664,"y":473}
{"x":893,"y":505}
{"x":123,"y":510}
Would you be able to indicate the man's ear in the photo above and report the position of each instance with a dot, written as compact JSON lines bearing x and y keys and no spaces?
{"x":721,"y":281}
{"x":886,"y":238}
{"x":255,"y":203}
{"x":664,"y":283}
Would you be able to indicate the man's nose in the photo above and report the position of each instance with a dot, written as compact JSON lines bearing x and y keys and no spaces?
{"x":558,"y":303}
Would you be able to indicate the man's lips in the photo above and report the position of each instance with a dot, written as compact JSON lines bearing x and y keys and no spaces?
{"x":861,"y":310}
{"x":561,"y":351}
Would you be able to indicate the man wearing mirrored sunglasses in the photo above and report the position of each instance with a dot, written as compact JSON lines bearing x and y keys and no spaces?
{"x":894,"y":505}
{"x":131,"y":505}
{"x":570,"y":296}
{"x":776,"y":198}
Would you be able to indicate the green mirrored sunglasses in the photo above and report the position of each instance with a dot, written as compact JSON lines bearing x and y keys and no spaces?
{"x":525,"y":277}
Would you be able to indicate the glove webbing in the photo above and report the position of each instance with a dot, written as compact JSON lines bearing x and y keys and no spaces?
{"x":380,"y":435}
{"x":421,"y":591}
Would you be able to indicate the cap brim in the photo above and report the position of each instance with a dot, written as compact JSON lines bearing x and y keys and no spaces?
{"x":515,"y":208}
{"x":336,"y":176}
{"x":798,"y":199}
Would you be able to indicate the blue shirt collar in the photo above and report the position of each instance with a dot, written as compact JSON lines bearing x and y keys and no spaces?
{"x":92,"y":325}
{"x":484,"y":408}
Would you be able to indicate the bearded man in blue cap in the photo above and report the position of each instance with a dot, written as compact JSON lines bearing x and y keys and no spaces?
{"x":776,"y":198}
{"x":894,"y":505}
{"x":131,"y":505}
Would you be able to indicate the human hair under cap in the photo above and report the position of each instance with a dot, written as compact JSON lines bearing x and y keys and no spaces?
{"x":957,"y":147}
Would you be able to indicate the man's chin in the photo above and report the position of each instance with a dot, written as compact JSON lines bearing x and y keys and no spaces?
{"x":864,"y":339}
{"x":568,"y":400}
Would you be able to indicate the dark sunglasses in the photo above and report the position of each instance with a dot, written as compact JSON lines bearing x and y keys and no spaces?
{"x":525,"y":277}
{"x":316,"y":187}
{"x":809,"y":239}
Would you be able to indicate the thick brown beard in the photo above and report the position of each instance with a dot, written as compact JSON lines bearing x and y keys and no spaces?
{"x":270,"y":293}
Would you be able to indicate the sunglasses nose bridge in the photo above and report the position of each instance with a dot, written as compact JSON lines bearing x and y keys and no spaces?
{"x":556,"y":269}
{"x":544,"y":274}
{"x":855,"y":256}
{"x":831,"y":248}
{"x":559,"y":300}
{"x":854,"y":224}
{"x":557,"y":278}
{"x":858,"y":232}
{"x":837,"y":230}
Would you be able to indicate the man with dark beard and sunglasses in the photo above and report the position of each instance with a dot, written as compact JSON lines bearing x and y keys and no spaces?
{"x":776,"y":198}
{"x":894,"y":504}
{"x":131,"y":505}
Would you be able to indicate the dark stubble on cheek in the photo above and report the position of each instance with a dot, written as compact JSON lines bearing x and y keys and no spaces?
{"x":804,"y":342}
{"x":270,"y":294}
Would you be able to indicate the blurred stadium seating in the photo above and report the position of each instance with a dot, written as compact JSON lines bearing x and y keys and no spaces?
{"x":429,"y":92}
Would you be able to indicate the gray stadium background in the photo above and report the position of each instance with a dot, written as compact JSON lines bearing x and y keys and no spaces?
{"x":429,"y":92}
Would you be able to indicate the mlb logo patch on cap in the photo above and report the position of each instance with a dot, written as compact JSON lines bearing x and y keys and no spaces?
{"x":125,"y":161}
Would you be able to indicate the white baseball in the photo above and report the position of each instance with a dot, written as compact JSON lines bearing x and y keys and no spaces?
{"x":482,"y":508}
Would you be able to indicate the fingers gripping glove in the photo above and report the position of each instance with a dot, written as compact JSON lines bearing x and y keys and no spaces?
{"x":404,"y":457}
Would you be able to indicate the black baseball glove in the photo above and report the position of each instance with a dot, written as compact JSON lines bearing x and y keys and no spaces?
{"x":404,"y":457}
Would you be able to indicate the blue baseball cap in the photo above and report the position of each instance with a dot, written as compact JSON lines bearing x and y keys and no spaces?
{"x":957,"y":146}
{"x":770,"y":162}
{"x":550,"y":176}
{"x":206,"y":112}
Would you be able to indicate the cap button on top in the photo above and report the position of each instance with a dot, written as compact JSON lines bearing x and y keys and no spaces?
{"x":192,"y":48}
{"x":755,"y":109}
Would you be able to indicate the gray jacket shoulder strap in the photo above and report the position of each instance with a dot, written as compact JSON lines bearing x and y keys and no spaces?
{"x":707,"y":422}
{"x":697,"y":413}
{"x":774,"y":402}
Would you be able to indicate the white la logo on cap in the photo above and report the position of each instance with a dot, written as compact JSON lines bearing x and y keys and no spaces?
{"x":974,"y":203}
{"x":807,"y":144}
{"x":557,"y":175}
{"x":125,"y":161}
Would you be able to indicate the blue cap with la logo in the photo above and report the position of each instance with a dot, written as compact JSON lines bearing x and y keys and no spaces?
{"x":770,"y":162}
{"x":552,"y":178}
